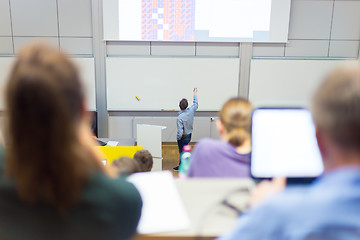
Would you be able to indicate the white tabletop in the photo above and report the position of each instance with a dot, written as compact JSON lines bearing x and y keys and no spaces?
{"x":202,"y":199}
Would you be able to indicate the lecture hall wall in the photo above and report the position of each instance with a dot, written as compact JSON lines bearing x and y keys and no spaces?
{"x":318,"y":29}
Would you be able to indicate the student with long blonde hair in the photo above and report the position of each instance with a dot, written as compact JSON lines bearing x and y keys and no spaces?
{"x":230,"y":156}
{"x":52,"y":182}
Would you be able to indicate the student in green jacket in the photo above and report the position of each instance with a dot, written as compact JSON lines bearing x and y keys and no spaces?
{"x":52,"y":182}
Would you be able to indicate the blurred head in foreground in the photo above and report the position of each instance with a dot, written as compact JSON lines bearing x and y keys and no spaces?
{"x":235,"y":120}
{"x":49,"y":157}
{"x":144,"y":160}
{"x":125,"y":166}
{"x":336,"y":114}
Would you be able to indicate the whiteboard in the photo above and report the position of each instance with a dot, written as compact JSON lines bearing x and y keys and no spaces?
{"x":287,"y":83}
{"x":87,"y":73}
{"x":160,"y":83}
{"x":5,"y":67}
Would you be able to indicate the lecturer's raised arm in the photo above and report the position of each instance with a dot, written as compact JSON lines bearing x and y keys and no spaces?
{"x":195,"y":105}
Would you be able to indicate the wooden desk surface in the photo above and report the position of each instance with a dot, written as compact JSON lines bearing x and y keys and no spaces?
{"x":202,"y":199}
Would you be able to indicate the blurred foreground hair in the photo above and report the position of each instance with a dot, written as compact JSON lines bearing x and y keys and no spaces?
{"x":45,"y":106}
{"x":235,"y":115}
{"x":336,"y":106}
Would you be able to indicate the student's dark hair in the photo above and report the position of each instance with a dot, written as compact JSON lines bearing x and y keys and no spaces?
{"x":235,"y":115}
{"x":336,"y":107}
{"x":183,"y":104}
{"x":144,"y":159}
{"x":125,"y":166}
{"x":44,"y":103}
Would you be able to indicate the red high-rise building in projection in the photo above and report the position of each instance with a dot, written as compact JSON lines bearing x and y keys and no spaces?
{"x":168,"y":20}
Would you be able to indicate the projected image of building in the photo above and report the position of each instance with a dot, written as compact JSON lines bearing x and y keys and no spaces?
{"x":168,"y":20}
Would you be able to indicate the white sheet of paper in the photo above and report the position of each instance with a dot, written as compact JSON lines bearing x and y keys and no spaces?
{"x":163,"y":209}
{"x":112,"y":143}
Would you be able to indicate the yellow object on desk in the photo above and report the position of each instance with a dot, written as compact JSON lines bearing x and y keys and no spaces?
{"x":113,"y":153}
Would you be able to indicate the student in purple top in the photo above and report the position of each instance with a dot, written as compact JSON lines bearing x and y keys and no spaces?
{"x":230,"y":156}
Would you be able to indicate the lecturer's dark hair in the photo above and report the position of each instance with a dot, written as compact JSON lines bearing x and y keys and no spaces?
{"x":44,"y":103}
{"x":183,"y":104}
{"x":235,"y":116}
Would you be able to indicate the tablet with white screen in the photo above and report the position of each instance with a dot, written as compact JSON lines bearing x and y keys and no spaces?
{"x":284,"y":144}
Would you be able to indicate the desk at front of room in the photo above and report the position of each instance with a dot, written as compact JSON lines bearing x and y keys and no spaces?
{"x":203,"y":202}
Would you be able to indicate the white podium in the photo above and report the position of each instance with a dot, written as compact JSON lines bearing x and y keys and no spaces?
{"x":150,"y":138}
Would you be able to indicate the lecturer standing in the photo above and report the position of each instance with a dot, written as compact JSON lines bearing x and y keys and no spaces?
{"x":185,"y":121}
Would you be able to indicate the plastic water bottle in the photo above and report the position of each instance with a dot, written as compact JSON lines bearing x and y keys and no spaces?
{"x":185,"y":161}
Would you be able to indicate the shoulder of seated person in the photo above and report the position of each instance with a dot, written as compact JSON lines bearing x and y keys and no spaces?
{"x":207,"y":141}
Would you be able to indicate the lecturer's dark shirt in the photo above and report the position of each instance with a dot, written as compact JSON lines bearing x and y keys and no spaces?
{"x":109,"y":209}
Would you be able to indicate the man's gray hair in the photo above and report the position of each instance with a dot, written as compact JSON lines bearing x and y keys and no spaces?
{"x":336,"y":106}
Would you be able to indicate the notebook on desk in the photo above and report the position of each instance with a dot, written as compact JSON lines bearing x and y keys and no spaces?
{"x":163,"y":209}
